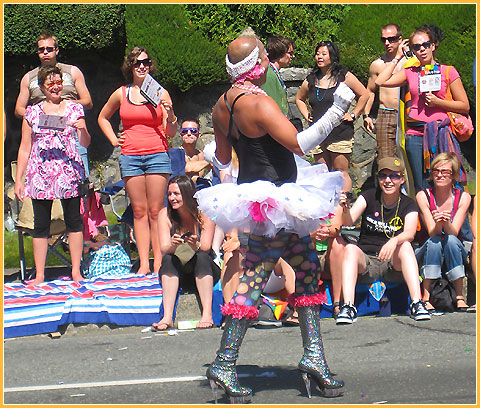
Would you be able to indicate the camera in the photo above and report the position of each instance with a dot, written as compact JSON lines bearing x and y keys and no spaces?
{"x":407,"y":53}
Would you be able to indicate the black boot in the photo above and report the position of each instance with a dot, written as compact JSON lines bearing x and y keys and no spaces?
{"x":313,"y":363}
{"x":222,"y":372}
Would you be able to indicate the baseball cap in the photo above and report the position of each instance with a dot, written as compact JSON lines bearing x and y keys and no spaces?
{"x":390,"y":163}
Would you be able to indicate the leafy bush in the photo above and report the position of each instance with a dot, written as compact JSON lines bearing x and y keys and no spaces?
{"x":184,"y":57}
{"x":83,"y":26}
{"x":306,"y":24}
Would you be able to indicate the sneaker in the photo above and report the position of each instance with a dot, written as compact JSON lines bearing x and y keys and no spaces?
{"x":418,"y":311}
{"x":347,"y":314}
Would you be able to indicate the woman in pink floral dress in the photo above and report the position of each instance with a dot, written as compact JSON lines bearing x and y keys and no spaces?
{"x":52,"y":166}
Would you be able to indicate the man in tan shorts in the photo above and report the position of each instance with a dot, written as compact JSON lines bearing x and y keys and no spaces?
{"x":386,"y":123}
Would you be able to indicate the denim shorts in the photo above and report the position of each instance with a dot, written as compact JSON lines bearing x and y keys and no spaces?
{"x":136,"y":165}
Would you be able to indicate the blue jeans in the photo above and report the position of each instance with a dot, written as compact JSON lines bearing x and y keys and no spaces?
{"x":439,"y":248}
{"x":414,"y":151}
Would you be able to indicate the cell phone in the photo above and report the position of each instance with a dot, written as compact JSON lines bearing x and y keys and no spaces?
{"x":349,"y":195}
{"x":407,"y":53}
{"x":187,"y":234}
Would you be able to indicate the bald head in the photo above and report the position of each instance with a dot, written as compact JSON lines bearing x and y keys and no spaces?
{"x":241,"y":47}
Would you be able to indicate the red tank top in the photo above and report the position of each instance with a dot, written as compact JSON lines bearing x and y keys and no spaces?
{"x":142,"y":126}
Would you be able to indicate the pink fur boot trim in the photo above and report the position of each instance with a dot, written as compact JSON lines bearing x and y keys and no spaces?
{"x":238,"y":311}
{"x":311,"y":300}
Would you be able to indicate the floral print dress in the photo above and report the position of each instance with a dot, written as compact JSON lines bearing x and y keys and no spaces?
{"x":54,"y":167}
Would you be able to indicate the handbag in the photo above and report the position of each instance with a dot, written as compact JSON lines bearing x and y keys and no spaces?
{"x":442,"y":295}
{"x":184,"y":252}
{"x":109,"y":260}
{"x":460,"y":125}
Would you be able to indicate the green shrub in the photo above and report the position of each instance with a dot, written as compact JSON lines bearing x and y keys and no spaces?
{"x":184,"y":57}
{"x":83,"y":26}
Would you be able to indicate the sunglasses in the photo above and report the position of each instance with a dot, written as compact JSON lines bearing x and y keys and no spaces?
{"x":41,"y":50}
{"x":146,"y":62}
{"x":443,"y":172}
{"x":391,"y":176}
{"x":184,"y":131}
{"x":390,"y":39}
{"x":426,"y":44}
{"x":53,"y":83}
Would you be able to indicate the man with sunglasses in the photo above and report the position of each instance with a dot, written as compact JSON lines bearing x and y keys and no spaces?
{"x":386,"y":123}
{"x":195,"y":163}
{"x":280,"y":52}
{"x":383,"y":250}
{"x":74,"y":87}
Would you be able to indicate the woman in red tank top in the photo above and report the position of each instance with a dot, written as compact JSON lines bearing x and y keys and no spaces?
{"x":144,"y":161}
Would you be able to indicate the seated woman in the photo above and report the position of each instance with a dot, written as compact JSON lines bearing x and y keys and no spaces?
{"x":185,"y":241}
{"x":443,"y":209}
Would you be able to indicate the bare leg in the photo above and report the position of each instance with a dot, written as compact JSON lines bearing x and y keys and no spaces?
{"x":40,"y":249}
{"x":230,"y":275}
{"x":426,"y":293}
{"x":156,"y":185}
{"x":403,"y":259}
{"x":170,"y":289}
{"x":205,"y":290}
{"x":458,"y":286}
{"x":75,"y":245}
{"x":341,"y":162}
{"x":137,"y":192}
{"x":353,"y":264}
{"x":335,"y":258}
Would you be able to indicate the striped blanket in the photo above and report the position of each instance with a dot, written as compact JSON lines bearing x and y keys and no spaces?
{"x":129,"y":300}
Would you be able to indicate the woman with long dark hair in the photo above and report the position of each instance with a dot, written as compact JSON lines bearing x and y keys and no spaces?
{"x":144,"y":161}
{"x":318,"y":89}
{"x":186,"y":236}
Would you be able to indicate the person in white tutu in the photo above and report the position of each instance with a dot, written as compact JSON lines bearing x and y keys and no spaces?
{"x":279,"y":206}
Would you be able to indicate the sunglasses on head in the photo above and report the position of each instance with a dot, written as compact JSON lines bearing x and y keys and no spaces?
{"x":184,"y":131}
{"x":41,"y":50}
{"x":443,"y":172}
{"x":390,"y":39}
{"x":146,"y":62}
{"x":53,"y":83}
{"x":426,"y":44}
{"x":391,"y":176}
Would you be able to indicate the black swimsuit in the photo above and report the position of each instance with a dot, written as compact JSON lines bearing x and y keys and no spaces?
{"x":261,"y":158}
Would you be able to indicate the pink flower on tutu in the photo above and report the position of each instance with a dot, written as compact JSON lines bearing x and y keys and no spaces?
{"x":260,"y":210}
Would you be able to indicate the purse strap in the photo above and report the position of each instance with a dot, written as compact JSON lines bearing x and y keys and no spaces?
{"x":448,"y":94}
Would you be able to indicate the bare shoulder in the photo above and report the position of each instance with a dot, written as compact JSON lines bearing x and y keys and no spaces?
{"x":377,"y":66}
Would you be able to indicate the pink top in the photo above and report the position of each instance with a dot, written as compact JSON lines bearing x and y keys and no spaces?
{"x":142,"y":127}
{"x":54,"y":167}
{"x":418,"y":109}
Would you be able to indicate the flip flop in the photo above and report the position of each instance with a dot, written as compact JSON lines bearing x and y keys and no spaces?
{"x":158,"y":325}
{"x":209,"y":325}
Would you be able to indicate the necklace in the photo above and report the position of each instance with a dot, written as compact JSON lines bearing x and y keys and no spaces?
{"x":278,"y":76}
{"x":395,"y":222}
{"x":325,"y":92}
{"x":251,"y":88}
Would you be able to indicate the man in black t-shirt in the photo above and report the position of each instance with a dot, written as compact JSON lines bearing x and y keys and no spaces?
{"x":384,"y":250}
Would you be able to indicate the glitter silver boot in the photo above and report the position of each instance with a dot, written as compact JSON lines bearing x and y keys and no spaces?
{"x":222,"y":372}
{"x":313,"y":363}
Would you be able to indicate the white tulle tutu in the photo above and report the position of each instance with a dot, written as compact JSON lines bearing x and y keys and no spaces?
{"x":264,"y":208}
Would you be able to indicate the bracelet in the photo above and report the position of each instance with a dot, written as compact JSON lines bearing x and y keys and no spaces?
{"x":366,"y":115}
{"x":173,"y":121}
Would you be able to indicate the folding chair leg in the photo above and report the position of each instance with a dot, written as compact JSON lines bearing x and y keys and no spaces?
{"x":21,"y":253}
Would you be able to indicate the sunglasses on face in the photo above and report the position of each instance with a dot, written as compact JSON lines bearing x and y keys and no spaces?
{"x":443,"y":172}
{"x":53,"y":83}
{"x":390,"y":39}
{"x":146,"y":62}
{"x":426,"y":44}
{"x":41,"y":50}
{"x":391,"y":176}
{"x":184,"y":131}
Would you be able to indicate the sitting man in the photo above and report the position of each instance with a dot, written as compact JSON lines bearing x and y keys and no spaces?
{"x":195,"y":164}
{"x":384,"y":247}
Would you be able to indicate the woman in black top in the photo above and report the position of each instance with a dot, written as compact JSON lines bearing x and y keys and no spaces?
{"x":318,"y":89}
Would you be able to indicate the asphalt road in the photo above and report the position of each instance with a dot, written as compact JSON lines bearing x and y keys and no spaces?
{"x":392,"y":360}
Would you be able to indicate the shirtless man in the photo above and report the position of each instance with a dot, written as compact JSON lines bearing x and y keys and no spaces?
{"x":195,"y":164}
{"x":265,"y":141}
{"x":74,"y":86}
{"x":386,"y":124}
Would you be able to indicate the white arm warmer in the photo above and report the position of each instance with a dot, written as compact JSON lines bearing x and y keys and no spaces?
{"x":209,"y":151}
{"x":318,"y":131}
{"x":219,"y":165}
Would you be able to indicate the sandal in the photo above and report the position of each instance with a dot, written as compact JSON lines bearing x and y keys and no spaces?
{"x":291,"y":319}
{"x":157,"y":327}
{"x":461,"y":309}
{"x":472,"y":309}
{"x":204,"y":325}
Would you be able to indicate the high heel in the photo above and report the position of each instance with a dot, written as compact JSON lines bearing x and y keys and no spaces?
{"x":313,"y":364}
{"x":222,"y":372}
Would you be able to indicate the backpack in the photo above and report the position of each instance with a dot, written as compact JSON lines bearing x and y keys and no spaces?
{"x":442,"y":295}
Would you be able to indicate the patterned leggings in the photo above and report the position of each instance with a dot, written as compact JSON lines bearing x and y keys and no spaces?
{"x":261,"y":257}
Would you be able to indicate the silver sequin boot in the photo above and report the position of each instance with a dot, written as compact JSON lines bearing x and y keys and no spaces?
{"x":222,"y":372}
{"x":313,"y":363}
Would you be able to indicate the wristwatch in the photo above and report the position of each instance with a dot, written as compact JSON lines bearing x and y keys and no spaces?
{"x":366,"y":115}
{"x":352,"y":115}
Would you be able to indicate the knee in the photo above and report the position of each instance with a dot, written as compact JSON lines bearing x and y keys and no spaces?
{"x":139,"y":210}
{"x":170,"y":266}
{"x":451,"y":241}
